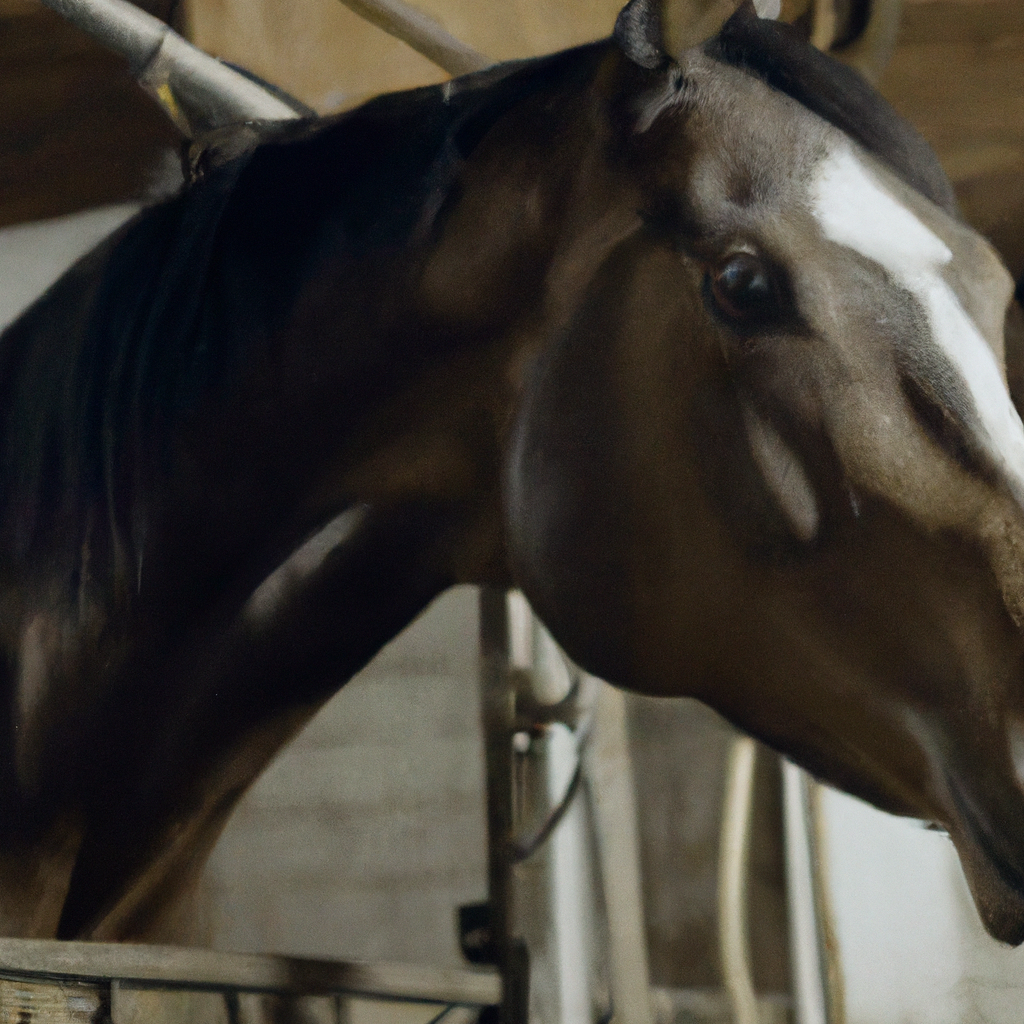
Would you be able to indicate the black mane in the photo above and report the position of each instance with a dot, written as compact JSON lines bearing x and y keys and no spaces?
{"x":118,"y":352}
{"x":778,"y":55}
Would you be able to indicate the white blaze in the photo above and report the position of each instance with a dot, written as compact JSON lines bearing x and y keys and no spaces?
{"x":855,"y":210}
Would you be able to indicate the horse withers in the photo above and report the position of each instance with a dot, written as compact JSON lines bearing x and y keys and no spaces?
{"x":688,"y":344}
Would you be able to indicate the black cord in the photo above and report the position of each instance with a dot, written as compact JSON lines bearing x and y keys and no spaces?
{"x":524,"y":849}
{"x":444,"y":1013}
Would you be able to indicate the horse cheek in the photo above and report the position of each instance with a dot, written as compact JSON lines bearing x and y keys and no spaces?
{"x":562,"y":512}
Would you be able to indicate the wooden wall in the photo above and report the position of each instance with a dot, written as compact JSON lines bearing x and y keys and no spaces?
{"x":75,"y":130}
{"x":328,"y":57}
{"x":958,"y":75}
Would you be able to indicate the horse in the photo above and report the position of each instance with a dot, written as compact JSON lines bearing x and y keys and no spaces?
{"x":678,"y":332}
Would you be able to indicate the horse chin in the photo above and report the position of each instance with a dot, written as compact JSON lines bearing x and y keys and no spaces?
{"x":1000,"y":905}
{"x":986,"y":825}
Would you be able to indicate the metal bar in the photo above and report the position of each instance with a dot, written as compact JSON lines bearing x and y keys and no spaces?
{"x":568,"y":896}
{"x":41,"y":959}
{"x":422,"y":33}
{"x":497,"y":710}
{"x":610,"y":773}
{"x":555,"y":896}
{"x":733,"y":869}
{"x":809,"y":978}
{"x":197,"y":91}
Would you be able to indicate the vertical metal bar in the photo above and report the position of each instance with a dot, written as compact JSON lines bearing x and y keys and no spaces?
{"x":610,"y":775}
{"x":568,"y":895}
{"x":733,"y":871}
{"x":809,"y":977}
{"x":554,"y":892}
{"x":497,"y":703}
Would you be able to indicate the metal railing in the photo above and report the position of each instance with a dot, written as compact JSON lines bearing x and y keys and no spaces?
{"x":60,"y":982}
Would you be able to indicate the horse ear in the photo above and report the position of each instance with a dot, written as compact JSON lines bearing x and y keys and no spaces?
{"x":649,"y":31}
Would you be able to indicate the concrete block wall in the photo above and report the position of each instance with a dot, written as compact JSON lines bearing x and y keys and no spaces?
{"x":368,"y":830}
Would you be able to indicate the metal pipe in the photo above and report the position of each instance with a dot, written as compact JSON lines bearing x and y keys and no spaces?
{"x":809,"y":976}
{"x":569,"y":896}
{"x":733,"y":863}
{"x":497,"y":710}
{"x":610,"y":773}
{"x":422,"y":33}
{"x":557,"y":894}
{"x":197,"y":91}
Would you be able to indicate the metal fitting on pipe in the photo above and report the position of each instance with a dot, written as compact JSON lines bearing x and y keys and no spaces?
{"x":198,"y":92}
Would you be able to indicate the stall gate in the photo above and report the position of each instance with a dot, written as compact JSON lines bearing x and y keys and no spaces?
{"x":49,"y":982}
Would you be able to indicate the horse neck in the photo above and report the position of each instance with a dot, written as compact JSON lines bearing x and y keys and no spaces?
{"x":408,"y":311}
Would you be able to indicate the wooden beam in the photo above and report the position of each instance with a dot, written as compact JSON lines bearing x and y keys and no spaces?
{"x":422,"y":33}
{"x":156,"y":966}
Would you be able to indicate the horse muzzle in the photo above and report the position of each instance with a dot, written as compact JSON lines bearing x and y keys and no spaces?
{"x":990,"y":842}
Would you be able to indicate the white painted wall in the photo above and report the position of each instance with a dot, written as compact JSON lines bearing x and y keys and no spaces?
{"x":912,"y":947}
{"x":33,"y":256}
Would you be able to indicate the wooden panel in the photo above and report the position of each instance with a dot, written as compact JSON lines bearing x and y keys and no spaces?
{"x":328,"y":57}
{"x":49,"y":982}
{"x":200,"y":967}
{"x":75,"y":130}
{"x":958,"y":74}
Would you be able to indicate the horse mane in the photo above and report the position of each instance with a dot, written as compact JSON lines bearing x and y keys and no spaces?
{"x":98,"y":374}
{"x":780,"y":57}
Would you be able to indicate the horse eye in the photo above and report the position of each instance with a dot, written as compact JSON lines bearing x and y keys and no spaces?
{"x":742,"y":288}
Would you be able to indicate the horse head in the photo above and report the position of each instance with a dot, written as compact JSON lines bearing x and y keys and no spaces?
{"x":771,"y":460}
{"x":679,"y":332}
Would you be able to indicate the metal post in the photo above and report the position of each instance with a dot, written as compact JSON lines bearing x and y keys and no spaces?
{"x":809,"y":974}
{"x":497,"y":700}
{"x":610,"y":778}
{"x":733,"y":871}
{"x":555,"y":895}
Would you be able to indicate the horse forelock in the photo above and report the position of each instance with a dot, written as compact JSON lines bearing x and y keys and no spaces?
{"x":777,"y":55}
